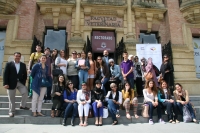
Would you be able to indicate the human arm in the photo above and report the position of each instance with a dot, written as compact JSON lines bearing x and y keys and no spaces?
{"x":159,"y":97}
{"x":53,"y":90}
{"x":120,"y":98}
{"x":118,"y":71}
{"x":58,"y":62}
{"x":187,"y":97}
{"x":34,"y":69}
{"x":107,"y":96}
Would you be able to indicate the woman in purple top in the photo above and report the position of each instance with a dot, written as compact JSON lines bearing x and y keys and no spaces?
{"x":149,"y":68}
{"x":70,"y":104}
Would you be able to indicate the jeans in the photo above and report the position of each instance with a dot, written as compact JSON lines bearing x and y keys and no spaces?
{"x":103,"y":86}
{"x":131,"y":82}
{"x":56,"y":103}
{"x":83,"y":76}
{"x":71,"y":107}
{"x":151,"y":108}
{"x":98,"y":112}
{"x":112,"y":107}
{"x":48,"y":96}
{"x":171,"y":108}
{"x":75,"y":80}
{"x":189,"y":106}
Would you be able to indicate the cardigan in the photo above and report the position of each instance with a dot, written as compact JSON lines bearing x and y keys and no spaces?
{"x":126,"y":95}
{"x":72,"y":96}
{"x":161,"y":97}
{"x":97,"y":96}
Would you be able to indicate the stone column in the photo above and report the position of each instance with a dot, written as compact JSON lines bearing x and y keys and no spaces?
{"x":77,"y":32}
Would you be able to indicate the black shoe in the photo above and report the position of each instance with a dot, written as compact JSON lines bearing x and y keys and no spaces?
{"x":64,"y":122}
{"x":115,"y":123}
{"x":72,"y":121}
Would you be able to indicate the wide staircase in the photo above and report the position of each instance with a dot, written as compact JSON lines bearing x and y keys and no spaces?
{"x":25,"y":116}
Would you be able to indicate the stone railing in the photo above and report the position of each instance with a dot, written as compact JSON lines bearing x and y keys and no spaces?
{"x":8,"y":6}
{"x":148,"y":3}
{"x":191,"y":10}
{"x":106,"y":2}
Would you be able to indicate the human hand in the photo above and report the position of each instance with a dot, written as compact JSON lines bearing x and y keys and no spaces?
{"x":6,"y":86}
{"x":58,"y":94}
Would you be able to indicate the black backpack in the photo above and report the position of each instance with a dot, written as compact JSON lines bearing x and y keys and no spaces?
{"x":156,"y":70}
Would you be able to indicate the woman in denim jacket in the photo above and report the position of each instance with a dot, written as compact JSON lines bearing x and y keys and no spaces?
{"x":83,"y":65}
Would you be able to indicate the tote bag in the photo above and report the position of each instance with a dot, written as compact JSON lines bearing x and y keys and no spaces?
{"x":186,"y":115}
{"x":145,"y":110}
{"x":105,"y":112}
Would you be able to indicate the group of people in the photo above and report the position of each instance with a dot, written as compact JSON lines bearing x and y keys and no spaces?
{"x":89,"y":85}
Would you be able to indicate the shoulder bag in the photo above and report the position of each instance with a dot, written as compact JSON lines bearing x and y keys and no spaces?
{"x":186,"y":114}
{"x":56,"y":71}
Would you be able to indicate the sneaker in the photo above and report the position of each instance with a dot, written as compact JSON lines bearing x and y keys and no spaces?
{"x":151,"y":122}
{"x":50,"y":101}
{"x":43,"y":101}
{"x":161,"y":121}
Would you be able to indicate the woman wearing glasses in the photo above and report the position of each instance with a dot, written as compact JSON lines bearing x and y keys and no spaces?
{"x":70,"y":104}
{"x":114,"y":98}
{"x":84,"y":100}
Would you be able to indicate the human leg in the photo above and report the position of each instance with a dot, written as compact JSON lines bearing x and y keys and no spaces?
{"x":11,"y":98}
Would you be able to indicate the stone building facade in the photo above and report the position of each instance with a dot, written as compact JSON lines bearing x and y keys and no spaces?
{"x":175,"y":21}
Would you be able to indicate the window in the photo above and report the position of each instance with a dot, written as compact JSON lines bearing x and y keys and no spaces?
{"x":148,"y":38}
{"x":55,"y":39}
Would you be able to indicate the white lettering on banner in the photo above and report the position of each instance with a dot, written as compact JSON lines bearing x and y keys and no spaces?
{"x":2,"y":40}
{"x":103,"y":37}
{"x":150,"y":50}
{"x":196,"y":45}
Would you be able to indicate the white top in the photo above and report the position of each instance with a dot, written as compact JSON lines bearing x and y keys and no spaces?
{"x":149,"y":97}
{"x":81,"y":97}
{"x":165,"y":92}
{"x":113,"y":95}
{"x":102,"y":72}
{"x":17,"y":66}
{"x":64,"y":68}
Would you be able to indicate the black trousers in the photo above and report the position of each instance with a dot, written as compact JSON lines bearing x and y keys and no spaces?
{"x":139,"y":84}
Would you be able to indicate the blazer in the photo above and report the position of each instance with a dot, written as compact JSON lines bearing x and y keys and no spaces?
{"x":106,"y":72}
{"x":10,"y":76}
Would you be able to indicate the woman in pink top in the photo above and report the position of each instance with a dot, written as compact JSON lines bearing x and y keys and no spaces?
{"x":91,"y":71}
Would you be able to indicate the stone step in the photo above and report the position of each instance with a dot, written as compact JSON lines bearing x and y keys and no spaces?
{"x":24,"y":119}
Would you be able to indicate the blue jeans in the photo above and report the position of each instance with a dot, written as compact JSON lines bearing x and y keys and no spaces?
{"x":189,"y":106}
{"x":98,"y":112}
{"x":83,"y":76}
{"x":71,"y":107}
{"x":151,"y":108}
{"x":112,"y":107}
{"x":131,"y":82}
{"x":171,"y":108}
{"x":103,"y":86}
{"x":75,"y":80}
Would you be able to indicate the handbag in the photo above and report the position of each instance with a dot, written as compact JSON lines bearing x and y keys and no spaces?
{"x":56,"y":71}
{"x":105,"y":112}
{"x":186,"y":114}
{"x":145,"y":110}
{"x":148,"y":76}
{"x":45,"y":83}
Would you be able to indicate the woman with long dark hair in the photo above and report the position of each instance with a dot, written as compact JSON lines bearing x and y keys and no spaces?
{"x":70,"y":103}
{"x":182,"y":99}
{"x":166,"y":101}
{"x":91,"y":71}
{"x":128,"y":99}
{"x":150,"y":97}
{"x":57,"y":95}
{"x":103,"y":73}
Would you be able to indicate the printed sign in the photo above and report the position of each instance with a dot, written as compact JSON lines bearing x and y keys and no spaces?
{"x":2,"y":41}
{"x":103,"y":21}
{"x":196,"y":45}
{"x":103,"y":40}
{"x":150,"y":50}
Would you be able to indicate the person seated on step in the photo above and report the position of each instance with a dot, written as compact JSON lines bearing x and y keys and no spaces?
{"x":150,"y":97}
{"x":128,"y":99}
{"x":57,"y":95}
{"x":166,"y":101}
{"x":182,"y":99}
{"x":70,"y":103}
{"x":97,"y":102}
{"x":84,"y":100}
{"x":114,"y":99}
{"x":14,"y":77}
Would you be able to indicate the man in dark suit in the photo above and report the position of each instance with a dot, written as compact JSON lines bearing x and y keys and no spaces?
{"x":105,"y":57}
{"x":14,"y":77}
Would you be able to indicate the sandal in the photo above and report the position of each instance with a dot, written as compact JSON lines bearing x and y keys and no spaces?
{"x":128,"y":116}
{"x":34,"y":114}
{"x":115,"y":123}
{"x":117,"y":115}
{"x":136,"y":116}
{"x":81,"y":123}
{"x":171,"y":121}
{"x":85,"y":123}
{"x":177,"y":121}
{"x":40,"y":114}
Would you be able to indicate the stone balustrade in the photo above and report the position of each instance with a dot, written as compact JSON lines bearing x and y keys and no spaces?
{"x":8,"y":6}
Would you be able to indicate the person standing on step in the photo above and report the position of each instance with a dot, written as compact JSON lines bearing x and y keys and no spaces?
{"x":106,"y":57}
{"x":114,"y":99}
{"x":70,"y":103}
{"x":182,"y":99}
{"x":39,"y":85}
{"x":47,"y":98}
{"x":84,"y":100}
{"x":91,"y":71}
{"x":166,"y":101}
{"x":83,"y":66}
{"x":14,"y":77}
{"x":34,"y":58}
{"x":57,"y":95}
{"x":127,"y":70}
{"x":53,"y":57}
{"x":128,"y":99}
{"x":150,"y":97}
{"x":97,"y":102}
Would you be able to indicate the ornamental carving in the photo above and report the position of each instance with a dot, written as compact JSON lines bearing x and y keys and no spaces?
{"x":8,"y":6}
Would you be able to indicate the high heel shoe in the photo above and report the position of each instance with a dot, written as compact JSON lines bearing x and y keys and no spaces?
{"x":72,"y":122}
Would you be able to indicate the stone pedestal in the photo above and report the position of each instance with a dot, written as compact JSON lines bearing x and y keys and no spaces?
{"x":76,"y":43}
